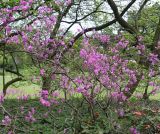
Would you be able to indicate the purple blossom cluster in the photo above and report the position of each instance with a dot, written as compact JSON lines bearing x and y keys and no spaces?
{"x":30,"y":116}
{"x":111,"y":70}
{"x":103,"y":38}
{"x":48,"y":100}
{"x":44,"y":98}
{"x":134,"y":131}
{"x":6,"y":121}
{"x":153,"y":58}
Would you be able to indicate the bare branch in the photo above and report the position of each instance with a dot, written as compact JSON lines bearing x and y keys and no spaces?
{"x":101,"y":26}
{"x":10,"y":83}
{"x":156,"y":40}
{"x":119,"y":18}
{"x":59,"y":20}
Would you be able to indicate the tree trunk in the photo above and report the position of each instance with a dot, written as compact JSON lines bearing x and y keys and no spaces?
{"x":10,"y":83}
{"x":156,"y":44}
{"x":46,"y":83}
{"x":156,"y":40}
{"x":132,"y":87}
{"x":145,"y":95}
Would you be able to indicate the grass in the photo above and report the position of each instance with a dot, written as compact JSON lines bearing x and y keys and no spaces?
{"x":19,"y":88}
{"x":152,"y":97}
{"x":30,"y":88}
{"x":63,"y":117}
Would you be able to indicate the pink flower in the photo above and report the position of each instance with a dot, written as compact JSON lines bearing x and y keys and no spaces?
{"x":30,"y":116}
{"x":6,"y":121}
{"x":24,"y":38}
{"x":45,"y":103}
{"x":29,"y":28}
{"x":14,"y":39}
{"x":1,"y":99}
{"x":25,"y":97}
{"x":64,"y":82}
{"x":122,"y":44}
{"x":118,"y":96}
{"x":8,"y":10}
{"x":30,"y":1}
{"x":25,"y":8}
{"x":83,"y":53}
{"x":151,"y":83}
{"x":58,"y":2}
{"x":80,"y":90}
{"x":42,"y":72}
{"x":78,"y":80}
{"x":133,"y":131}
{"x":15,"y":8}
{"x":141,"y":48}
{"x":30,"y":48}
{"x":68,"y":2}
{"x":156,"y":88}
{"x":153,"y":58}
{"x":33,"y":110}
{"x":104,"y":38}
{"x":97,"y":90}
{"x":44,"y":94}
{"x":86,"y":41}
{"x":8,"y":29}
{"x":55,"y":94}
{"x":151,"y":72}
{"x":23,"y":3}
{"x":120,"y":112}
{"x":54,"y":101}
{"x":53,"y":19}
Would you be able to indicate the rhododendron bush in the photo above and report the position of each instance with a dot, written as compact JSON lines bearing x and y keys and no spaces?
{"x":110,"y":71}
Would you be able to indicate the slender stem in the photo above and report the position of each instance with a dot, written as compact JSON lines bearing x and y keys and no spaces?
{"x":17,"y":69}
{"x":3,"y":65}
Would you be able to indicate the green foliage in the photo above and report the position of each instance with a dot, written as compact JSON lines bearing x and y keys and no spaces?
{"x":147,"y":22}
{"x":8,"y":3}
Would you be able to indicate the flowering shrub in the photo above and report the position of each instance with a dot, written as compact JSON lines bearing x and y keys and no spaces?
{"x":107,"y":77}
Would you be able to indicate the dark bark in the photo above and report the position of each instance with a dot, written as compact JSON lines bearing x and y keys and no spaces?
{"x":103,"y":26}
{"x":10,"y":83}
{"x":156,"y":40}
{"x":145,"y":95}
{"x":133,"y":87}
{"x":46,"y":83}
{"x":59,"y":20}
{"x":156,"y":43}
{"x":119,"y":18}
